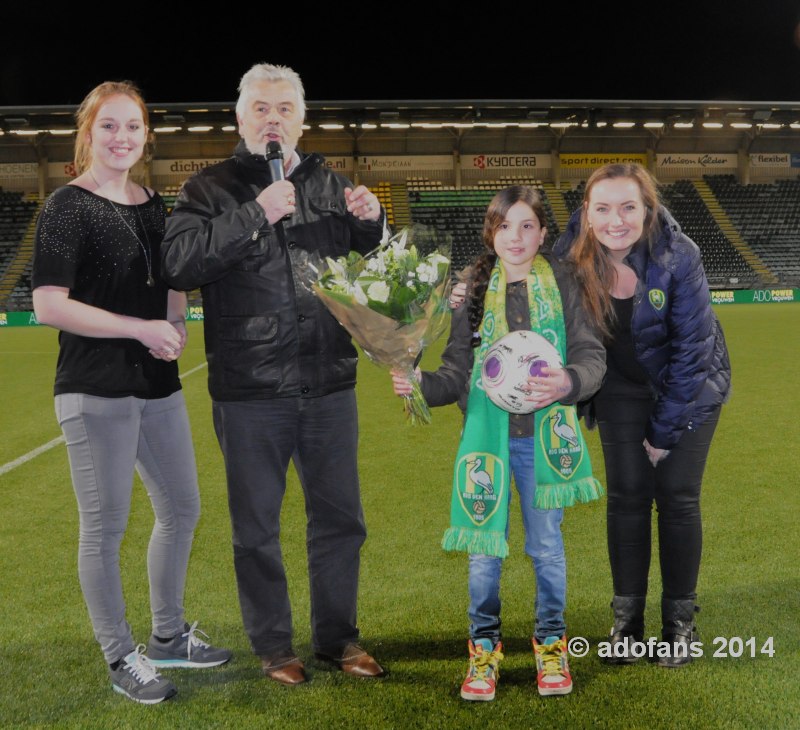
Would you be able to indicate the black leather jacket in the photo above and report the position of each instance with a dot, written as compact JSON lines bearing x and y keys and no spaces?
{"x":266,"y":334}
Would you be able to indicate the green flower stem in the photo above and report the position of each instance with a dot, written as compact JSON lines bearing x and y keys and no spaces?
{"x":415,"y":405}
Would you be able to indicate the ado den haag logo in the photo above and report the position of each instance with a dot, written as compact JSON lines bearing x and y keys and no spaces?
{"x":481,"y":481}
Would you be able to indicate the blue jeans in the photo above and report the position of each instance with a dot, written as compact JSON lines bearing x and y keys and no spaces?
{"x":545,"y":546}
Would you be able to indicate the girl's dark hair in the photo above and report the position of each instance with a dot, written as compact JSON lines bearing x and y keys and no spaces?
{"x":481,"y":270}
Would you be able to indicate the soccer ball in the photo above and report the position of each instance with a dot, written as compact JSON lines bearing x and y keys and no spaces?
{"x":510,"y":362}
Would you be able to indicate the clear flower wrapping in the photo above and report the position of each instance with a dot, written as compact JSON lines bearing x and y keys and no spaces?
{"x":393,"y":301}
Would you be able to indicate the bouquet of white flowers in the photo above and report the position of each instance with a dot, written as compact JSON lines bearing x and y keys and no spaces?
{"x":393,"y":302}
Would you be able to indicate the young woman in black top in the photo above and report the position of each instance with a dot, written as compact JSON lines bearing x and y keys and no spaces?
{"x":118,"y":397}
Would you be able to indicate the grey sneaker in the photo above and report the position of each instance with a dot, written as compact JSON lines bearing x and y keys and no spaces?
{"x":137,"y":679}
{"x":186,"y":650}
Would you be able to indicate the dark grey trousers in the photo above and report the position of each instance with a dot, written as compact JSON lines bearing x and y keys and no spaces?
{"x":257,"y":439}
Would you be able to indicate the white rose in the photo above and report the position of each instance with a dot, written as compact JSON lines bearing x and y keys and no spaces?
{"x":377,"y":265}
{"x":426,"y":273}
{"x":378,"y":291}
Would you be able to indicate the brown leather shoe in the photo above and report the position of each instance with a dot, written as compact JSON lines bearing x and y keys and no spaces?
{"x":355,"y":661}
{"x":288,"y":670}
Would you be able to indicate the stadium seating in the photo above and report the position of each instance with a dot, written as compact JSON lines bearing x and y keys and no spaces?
{"x":768,"y":218}
{"x":460,"y":213}
{"x":721,"y":260}
{"x":16,"y":214}
{"x":766,"y":215}
{"x":168,"y":195}
{"x":573,"y":199}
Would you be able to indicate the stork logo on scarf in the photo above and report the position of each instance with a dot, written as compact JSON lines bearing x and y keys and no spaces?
{"x":560,"y":440}
{"x":481,"y":481}
{"x":657,"y":299}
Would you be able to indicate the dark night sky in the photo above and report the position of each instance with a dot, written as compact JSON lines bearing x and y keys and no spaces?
{"x":704,"y":50}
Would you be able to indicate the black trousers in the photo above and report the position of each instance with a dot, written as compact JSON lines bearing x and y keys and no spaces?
{"x":257,"y":439}
{"x":634,"y":484}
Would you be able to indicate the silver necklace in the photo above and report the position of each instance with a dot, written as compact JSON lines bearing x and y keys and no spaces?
{"x":146,"y":250}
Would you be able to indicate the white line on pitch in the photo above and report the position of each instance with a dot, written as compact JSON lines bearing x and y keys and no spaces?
{"x":31,"y":455}
{"x":60,"y":440}
{"x":193,"y":370}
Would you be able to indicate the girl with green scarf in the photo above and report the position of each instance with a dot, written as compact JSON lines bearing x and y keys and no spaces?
{"x":513,"y":287}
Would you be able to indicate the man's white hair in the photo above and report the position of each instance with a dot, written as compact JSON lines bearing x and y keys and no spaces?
{"x":272,"y":73}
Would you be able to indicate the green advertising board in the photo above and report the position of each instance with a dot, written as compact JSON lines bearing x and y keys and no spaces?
{"x":754,"y":296}
{"x":28,"y":319}
{"x":17,"y":319}
{"x":719,"y":296}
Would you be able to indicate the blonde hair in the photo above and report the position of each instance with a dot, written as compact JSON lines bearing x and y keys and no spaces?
{"x":87,"y":113}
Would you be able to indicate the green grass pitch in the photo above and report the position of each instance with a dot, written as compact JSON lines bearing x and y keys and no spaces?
{"x":413,"y":596}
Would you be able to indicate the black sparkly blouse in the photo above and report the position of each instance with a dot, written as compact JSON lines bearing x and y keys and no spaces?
{"x":84,"y":245}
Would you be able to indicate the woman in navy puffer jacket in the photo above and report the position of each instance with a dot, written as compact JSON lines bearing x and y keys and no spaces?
{"x":668,"y":375}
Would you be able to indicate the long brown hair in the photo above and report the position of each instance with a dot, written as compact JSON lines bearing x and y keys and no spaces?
{"x":87,"y":113}
{"x":482,"y":268}
{"x":593,"y":267}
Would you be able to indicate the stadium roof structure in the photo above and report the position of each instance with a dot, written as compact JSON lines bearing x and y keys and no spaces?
{"x":557,"y":119}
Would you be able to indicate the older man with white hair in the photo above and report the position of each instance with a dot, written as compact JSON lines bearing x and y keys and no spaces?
{"x":281,"y":369}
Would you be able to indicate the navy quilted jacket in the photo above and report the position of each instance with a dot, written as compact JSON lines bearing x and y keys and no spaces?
{"x":677,"y":337}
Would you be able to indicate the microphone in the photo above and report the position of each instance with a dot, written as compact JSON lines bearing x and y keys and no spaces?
{"x":274,"y":158}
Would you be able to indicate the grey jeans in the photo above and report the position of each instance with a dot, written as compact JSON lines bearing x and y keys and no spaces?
{"x":106,"y":439}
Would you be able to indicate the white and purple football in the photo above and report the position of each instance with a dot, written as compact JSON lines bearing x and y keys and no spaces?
{"x":510,"y":362}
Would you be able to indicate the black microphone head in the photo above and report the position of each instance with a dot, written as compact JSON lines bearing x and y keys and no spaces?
{"x":274,"y":151}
